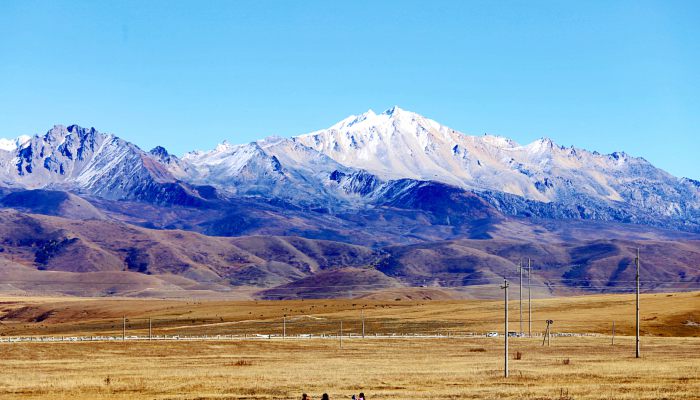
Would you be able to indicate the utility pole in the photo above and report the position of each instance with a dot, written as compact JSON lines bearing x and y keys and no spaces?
{"x":150,"y":329}
{"x":613,"y":334}
{"x":363,"y":324}
{"x":636,"y":261}
{"x":284,"y":327}
{"x":341,"y":334}
{"x":520,"y":270}
{"x":505,"y":335}
{"x":124,"y":328}
{"x":547,"y":333}
{"x":529,"y":301}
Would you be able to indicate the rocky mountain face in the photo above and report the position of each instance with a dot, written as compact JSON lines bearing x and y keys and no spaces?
{"x":87,"y":161}
{"x":541,"y":178}
{"x":383,"y":196}
{"x":356,"y":164}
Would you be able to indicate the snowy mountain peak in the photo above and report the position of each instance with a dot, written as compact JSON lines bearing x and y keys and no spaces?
{"x":57,"y":133}
{"x":350,"y":161}
{"x":499,"y":141}
{"x":14,"y":144}
{"x":354,"y":120}
{"x":395,"y":110}
{"x":80,"y":130}
{"x":60,"y":134}
{"x":541,"y":145}
{"x":224,"y":146}
{"x":400,"y":144}
{"x":159,"y":151}
{"x":162,"y":155}
{"x":369,"y":119}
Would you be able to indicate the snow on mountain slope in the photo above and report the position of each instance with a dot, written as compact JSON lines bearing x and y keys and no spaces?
{"x":400,"y":144}
{"x":272,"y":167}
{"x":13,"y":144}
{"x":361,"y":162}
{"x":85,"y":160}
{"x":393,"y":145}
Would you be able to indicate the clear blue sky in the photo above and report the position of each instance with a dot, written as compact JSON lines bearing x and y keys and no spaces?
{"x":601,"y":75}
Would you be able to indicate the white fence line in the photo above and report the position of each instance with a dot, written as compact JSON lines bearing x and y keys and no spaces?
{"x":259,"y":337}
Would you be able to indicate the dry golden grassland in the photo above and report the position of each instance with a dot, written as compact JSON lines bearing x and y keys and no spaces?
{"x":662,"y":314}
{"x":676,"y":314}
{"x":446,"y":368}
{"x":383,"y":369}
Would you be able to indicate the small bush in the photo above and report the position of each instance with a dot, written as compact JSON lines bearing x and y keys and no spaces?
{"x":107,"y":381}
{"x":566,"y":361}
{"x":477,"y":350}
{"x":518,"y":355}
{"x":242,"y":363}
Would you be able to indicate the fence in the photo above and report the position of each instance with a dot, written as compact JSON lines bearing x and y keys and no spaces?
{"x":162,"y":328}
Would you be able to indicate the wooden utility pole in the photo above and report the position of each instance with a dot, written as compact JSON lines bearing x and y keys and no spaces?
{"x":284,"y":327}
{"x":505,"y":333}
{"x":547,"y":332}
{"x":529,"y":301}
{"x":363,"y":323}
{"x":520,"y":270}
{"x":124,"y":328}
{"x":341,"y":334}
{"x":613,"y":334}
{"x":150,"y":329}
{"x":637,"y":315}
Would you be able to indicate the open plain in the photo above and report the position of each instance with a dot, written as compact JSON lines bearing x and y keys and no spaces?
{"x":452,"y":366}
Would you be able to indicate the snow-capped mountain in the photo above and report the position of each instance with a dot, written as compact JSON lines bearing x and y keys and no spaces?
{"x":395,"y":196}
{"x":14,"y":144}
{"x":86,"y":161}
{"x":400,"y":144}
{"x":362,"y":162}
{"x":273,"y":167}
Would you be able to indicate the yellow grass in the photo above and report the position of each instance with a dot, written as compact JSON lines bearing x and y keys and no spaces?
{"x":447,"y":368}
{"x":662,"y":315}
{"x":383,"y":369}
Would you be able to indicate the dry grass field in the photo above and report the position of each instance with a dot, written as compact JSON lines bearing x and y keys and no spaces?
{"x":572,"y":368}
{"x":447,"y":368}
{"x":676,"y":314}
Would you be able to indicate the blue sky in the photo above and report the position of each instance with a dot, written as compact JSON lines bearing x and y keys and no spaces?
{"x":601,"y":75}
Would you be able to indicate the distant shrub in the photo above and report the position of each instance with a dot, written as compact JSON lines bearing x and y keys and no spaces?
{"x":242,"y":363}
{"x":50,"y":248}
{"x":566,"y":361}
{"x":136,"y":260}
{"x":518,"y":355}
{"x":477,"y":350}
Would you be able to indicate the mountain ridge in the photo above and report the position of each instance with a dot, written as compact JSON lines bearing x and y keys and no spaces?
{"x":392,"y":198}
{"x":353,"y":163}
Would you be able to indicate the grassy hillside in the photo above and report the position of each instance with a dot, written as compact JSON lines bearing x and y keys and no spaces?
{"x":49,"y":255}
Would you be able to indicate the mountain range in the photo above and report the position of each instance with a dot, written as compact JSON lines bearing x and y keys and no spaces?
{"x":352,"y":206}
